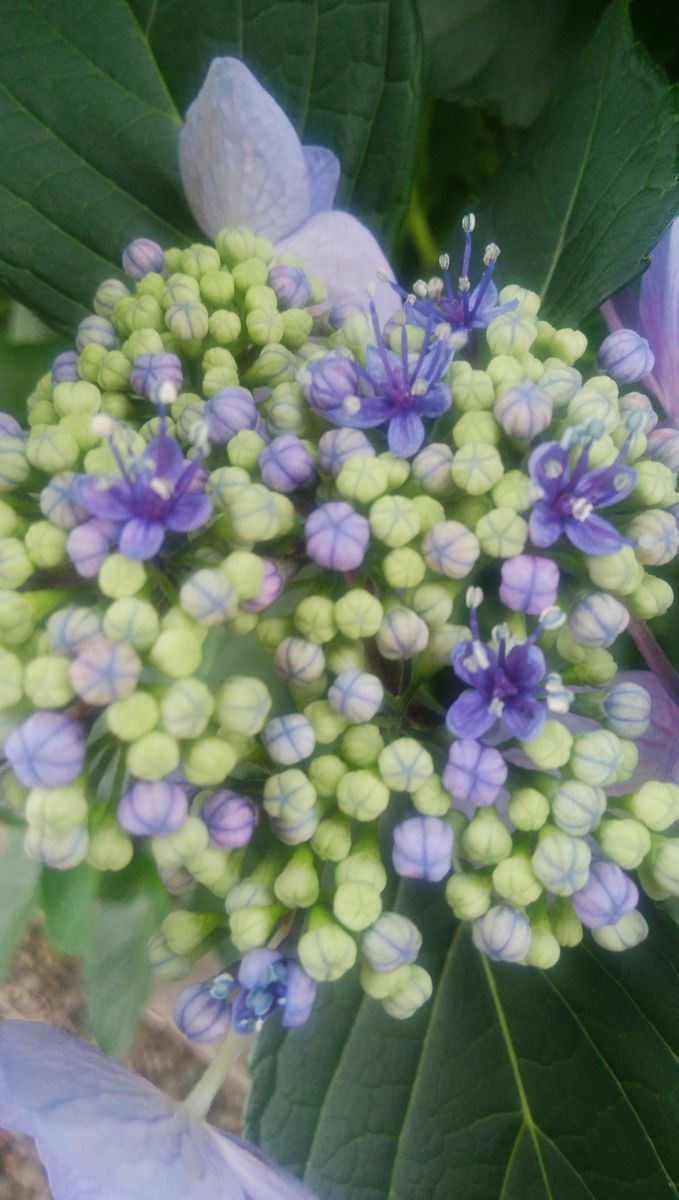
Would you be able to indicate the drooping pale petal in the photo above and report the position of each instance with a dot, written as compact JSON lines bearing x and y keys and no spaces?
{"x":469,"y":716}
{"x":104,"y":1133}
{"x":659,"y":312}
{"x":141,"y":539}
{"x":344,"y":255}
{"x":324,"y":172}
{"x":241,"y":161}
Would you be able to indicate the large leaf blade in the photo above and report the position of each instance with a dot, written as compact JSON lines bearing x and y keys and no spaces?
{"x":19,"y":881}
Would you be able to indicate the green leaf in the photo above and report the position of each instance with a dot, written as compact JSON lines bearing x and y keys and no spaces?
{"x":19,"y":878}
{"x":88,"y":127}
{"x":512,"y":1084}
{"x":21,"y":365}
{"x":594,"y":183}
{"x":68,"y":899}
{"x":117,"y":970}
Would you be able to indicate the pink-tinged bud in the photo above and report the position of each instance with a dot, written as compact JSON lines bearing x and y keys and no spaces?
{"x":142,"y":256}
{"x":626,"y":356}
{"x":529,"y":584}
{"x":153,"y":809}
{"x":230,"y":819}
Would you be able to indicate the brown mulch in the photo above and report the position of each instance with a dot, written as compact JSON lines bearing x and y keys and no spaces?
{"x":43,"y":987}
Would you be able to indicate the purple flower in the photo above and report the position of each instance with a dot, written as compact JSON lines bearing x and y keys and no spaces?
{"x":229,"y":411}
{"x":153,"y":809}
{"x":141,"y":256}
{"x":608,"y":894}
{"x":474,"y":775}
{"x":529,"y":584}
{"x":156,"y":492}
{"x":456,"y":303}
{"x":230,"y":819}
{"x":396,"y":390}
{"x":150,"y":371}
{"x":286,"y":464}
{"x":203,"y":1012}
{"x":570,"y":496}
{"x":46,"y":750}
{"x":269,"y":982}
{"x":104,"y":1133}
{"x":290,"y":285}
{"x":337,"y":536}
{"x":423,"y":848}
{"x":626,"y":356}
{"x":243,"y":164}
{"x":65,"y":368}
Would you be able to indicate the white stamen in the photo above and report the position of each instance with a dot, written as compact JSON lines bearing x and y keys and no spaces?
{"x":200,"y":435}
{"x":435,"y":287}
{"x":474,"y":597}
{"x":166,"y":393}
{"x":553,"y":682}
{"x":383,"y":275}
{"x":552,"y":617}
{"x":558,"y":704}
{"x":411,"y":298}
{"x":304,"y":377}
{"x":481,"y":655}
{"x":595,"y":429}
{"x":351,"y":405}
{"x":162,"y":488}
{"x":420,"y":387}
{"x":102,"y":425}
{"x":444,"y":261}
{"x":464,"y":283}
{"x":420,"y":289}
{"x":470,"y":664}
{"x":581,"y":508}
{"x":458,"y":338}
{"x":553,"y":469}
{"x":491,"y":254}
{"x":535,"y":492}
{"x":468,"y":223}
{"x":371,"y":289}
{"x":500,"y":633}
{"x":620,"y":482}
{"x":496,"y":706}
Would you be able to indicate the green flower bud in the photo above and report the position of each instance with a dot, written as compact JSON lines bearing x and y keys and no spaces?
{"x":326,"y":951}
{"x":406,"y":999}
{"x":655,"y":486}
{"x":187,"y":321}
{"x":110,"y":849}
{"x":271,"y":631}
{"x":566,"y":926}
{"x":217,"y":287}
{"x":199,"y":259}
{"x":528,"y":809}
{"x":362,"y":795}
{"x":46,"y":681}
{"x":656,"y":804}
{"x":380,"y":984}
{"x":503,"y":371}
{"x":170,"y":967}
{"x":430,"y":511}
{"x":153,"y":756}
{"x":363,"y":866}
{"x":51,"y":449}
{"x":289,"y":795}
{"x":598,"y":667}
{"x":332,"y":840}
{"x":650,"y":885}
{"x":357,"y":905}
{"x":596,"y":758}
{"x":16,"y":617}
{"x":215,"y":869}
{"x":11,"y":679}
{"x":625,"y":841}
{"x":515,"y":881}
{"x":178,"y":653}
{"x":502,"y":533}
{"x":590,"y":405}
{"x":362,"y":745}
{"x":511,"y":333}
{"x":315,"y":619}
{"x":133,"y":717}
{"x":287,"y":410}
{"x":473,"y":390}
{"x":9,"y":521}
{"x":627,"y":933}
{"x":653,"y":598}
{"x":343,"y":655}
{"x":629,"y":762}
{"x":209,"y":597}
{"x":265,"y":326}
{"x":486,"y":840}
{"x":431,"y":799}
{"x":244,"y":450}
{"x":358,"y":614}
{"x":186,"y":708}
{"x":254,"y":891}
{"x":250,"y":272}
{"x":398,"y":469}
{"x":362,"y":479}
{"x":401,"y":635}
{"x":45,"y":545}
{"x":306,"y":693}
{"x":120,"y":578}
{"x":476,"y":468}
{"x":79,"y":399}
{"x":325,"y":772}
{"x":141,"y":341}
{"x":469,"y":896}
{"x":209,"y":760}
{"x":107,"y":296}
{"x":61,"y":853}
{"x":254,"y":514}
{"x":433,"y":602}
{"x":568,"y":344}
{"x":90,"y":360}
{"x":297,"y":885}
{"x":184,"y":932}
{"x":115,"y":405}
{"x":476,"y":428}
{"x":544,"y":950}
{"x":133,"y":621}
{"x":56,"y":811}
{"x":245,"y":572}
{"x":224,"y":326}
{"x":15,"y":565}
{"x":14,"y":466}
{"x":181,"y":847}
{"x":577,"y":807}
{"x":326,"y":724}
{"x":394,"y":520}
{"x":561,"y":862}
{"x":403,"y":569}
{"x":552,"y":748}
{"x":656,"y":535}
{"x":441,"y":644}
{"x":405,"y":765}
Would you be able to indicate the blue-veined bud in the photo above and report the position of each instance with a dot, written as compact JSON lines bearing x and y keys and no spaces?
{"x":663,"y":446}
{"x":358,"y":614}
{"x":70,"y":628}
{"x":56,"y":811}
{"x":65,"y":366}
{"x":45,"y":750}
{"x":332,"y":839}
{"x":228,"y":412}
{"x":577,"y":807}
{"x":326,"y":723}
{"x":394,"y":520}
{"x":14,"y":466}
{"x":185,"y":931}
{"x":208,"y":597}
{"x":529,"y":584}
{"x":476,"y":427}
{"x":153,"y":809}
{"x":528,"y":809}
{"x":110,"y":849}
{"x":325,"y":772}
{"x":243,"y":705}
{"x":291,"y":286}
{"x":476,"y":468}
{"x":393,"y":941}
{"x":512,"y":333}
{"x":515,"y":881}
{"x":402,"y":634}
{"x":561,"y":862}
{"x":625,"y":934}
{"x":625,"y":841}
{"x":524,"y":411}
{"x":315,"y":619}
{"x":181,"y":845}
{"x":405,"y":765}
{"x":473,"y":775}
{"x":105,"y":299}
{"x":404,"y":1001}
{"x":626,"y":356}
{"x":469,"y":895}
{"x":153,"y":756}
{"x":597,"y":620}
{"x":45,"y":545}
{"x":337,"y":536}
{"x":326,"y":951}
{"x":662,"y":864}
{"x":652,"y":598}
{"x":362,"y":745}
{"x":552,"y":748}
{"x":362,"y":795}
{"x":104,"y":671}
{"x":141,"y":256}
{"x":431,"y":469}
{"x":627,"y":707}
{"x":289,"y":795}
{"x":96,"y":330}
{"x":289,"y":739}
{"x":560,"y":383}
{"x":230,"y":819}
{"x":423,"y":848}
{"x":656,"y":536}
{"x":606,"y":896}
{"x":338,"y":445}
{"x":297,"y":885}
{"x":596,"y":757}
{"x":169,"y":966}
{"x":294,"y":830}
{"x":286,"y":464}
{"x":356,"y":905}
{"x":46,"y":681}
{"x":503,"y":934}
{"x":203,"y":1013}
{"x":121,"y":578}
{"x":61,"y":852}
{"x":299,"y":660}
{"x":89,"y":545}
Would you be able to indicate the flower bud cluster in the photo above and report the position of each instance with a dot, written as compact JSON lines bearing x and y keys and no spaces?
{"x":242,"y":623}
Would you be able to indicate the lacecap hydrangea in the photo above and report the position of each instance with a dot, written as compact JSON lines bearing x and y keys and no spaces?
{"x":298,"y":609}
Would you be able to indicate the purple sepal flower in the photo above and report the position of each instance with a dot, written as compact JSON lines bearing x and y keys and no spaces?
{"x":423,"y":848}
{"x":626,"y":356}
{"x":202,"y":1012}
{"x":529,"y":584}
{"x":608,"y":894}
{"x":227,"y":412}
{"x":269,"y":982}
{"x":141,"y":256}
{"x":104,"y":1133}
{"x":474,"y":775}
{"x":274,"y":582}
{"x":286,"y":464}
{"x":337,"y":536}
{"x":337,"y":445}
{"x":89,"y":545}
{"x":157,"y":492}
{"x":570,"y":496}
{"x":503,"y":934}
{"x":46,"y":750}
{"x":149,"y":371}
{"x":65,"y":368}
{"x":153,"y":809}
{"x":230,"y":819}
{"x":290,"y":285}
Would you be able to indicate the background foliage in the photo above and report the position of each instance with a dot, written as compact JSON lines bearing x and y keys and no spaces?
{"x":556,"y":121}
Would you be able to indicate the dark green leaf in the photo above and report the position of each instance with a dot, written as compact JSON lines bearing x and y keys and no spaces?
{"x":19,"y":879}
{"x":21,"y":365}
{"x":594,"y":183}
{"x":117,"y":970}
{"x":68,"y":899}
{"x":512,"y":1084}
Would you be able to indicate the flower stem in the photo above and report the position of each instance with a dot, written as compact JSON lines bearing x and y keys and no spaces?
{"x":200,"y":1098}
{"x":655,"y":658}
{"x":418,"y":228}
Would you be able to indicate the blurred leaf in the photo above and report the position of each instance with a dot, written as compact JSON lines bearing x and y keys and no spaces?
{"x":505,"y":57}
{"x":68,"y":899}
{"x":21,"y":365}
{"x":594,"y":183}
{"x":117,"y":970}
{"x":88,"y":127}
{"x":511,"y":1083}
{"x":19,"y":878}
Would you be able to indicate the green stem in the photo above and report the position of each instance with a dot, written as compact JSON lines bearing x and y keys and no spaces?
{"x":200,"y":1098}
{"x":418,"y":228}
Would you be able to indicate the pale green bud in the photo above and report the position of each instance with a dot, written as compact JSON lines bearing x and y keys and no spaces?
{"x":394,"y":520}
{"x":244,"y":450}
{"x":332,"y":840}
{"x":153,"y":756}
{"x":431,"y":469}
{"x":362,"y":745}
{"x":133,"y":621}
{"x":186,"y":708}
{"x":358,"y":614}
{"x":133,"y":717}
{"x":15,"y":565}
{"x":405,"y":765}
{"x":486,"y":840}
{"x":653,"y":598}
{"x":515,"y":881}
{"x":120,"y":578}
{"x":403,"y":569}
{"x":430,"y":798}
{"x":362,"y":479}
{"x":406,"y":999}
{"x":578,"y":807}
{"x":362,"y":795}
{"x":561,"y":862}
{"x":344,"y":655}
{"x":502,"y":533}
{"x":62,"y":852}
{"x":625,"y":841}
{"x":181,"y":847}
{"x":252,"y":927}
{"x":629,"y":762}
{"x":569,"y":345}
{"x":170,"y":967}
{"x":215,"y":869}
{"x":287,"y":410}
{"x":326,"y":951}
{"x":656,"y":804}
{"x":527,"y":303}
{"x":627,"y":933}
{"x":243,"y":705}
{"x":115,"y":405}
{"x":504,"y":371}
{"x":50,"y":448}
{"x":473,"y":391}
{"x":9,"y":521}
{"x":327,"y":724}
{"x":46,"y":681}
{"x":14,"y":466}
{"x":469,"y":896}
{"x":477,"y":428}
{"x":402,"y":634}
{"x":597,"y":668}
{"x":528,"y":809}
{"x":357,"y":905}
{"x":398,"y":469}
{"x":552,"y":748}
{"x":325,"y":772}
{"x":596,"y":758}
{"x":224,"y":326}
{"x":209,"y":597}
{"x":589,"y":405}
{"x":476,"y":468}
{"x":433,"y":602}
{"x":249,"y":273}
{"x":305,"y":693}
{"x":80,"y":399}
{"x":566,"y":926}
{"x":45,"y":545}
{"x":56,"y":811}
{"x":217,"y":288}
{"x":544,"y":950}
{"x":511,"y":333}
{"x":199,"y":259}
{"x":560,"y":383}
{"x":297,"y":326}
{"x":208,"y":761}
{"x":655,"y":486}
{"x":89,"y":362}
{"x":656,"y":535}
{"x":648,"y":882}
{"x":16,"y":617}
{"x":297,"y":885}
{"x":441,"y":644}
{"x":289,"y":795}
{"x":363,"y":866}
{"x":315,"y":619}
{"x":430,"y":512}
{"x":110,"y":849}
{"x":271,"y":631}
{"x":178,"y":653}
{"x":274,"y":365}
{"x":256,"y":891}
{"x":11,"y":679}
{"x":254,"y":513}
{"x":141,"y":341}
{"x":245,"y":572}
{"x":380,"y":984}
